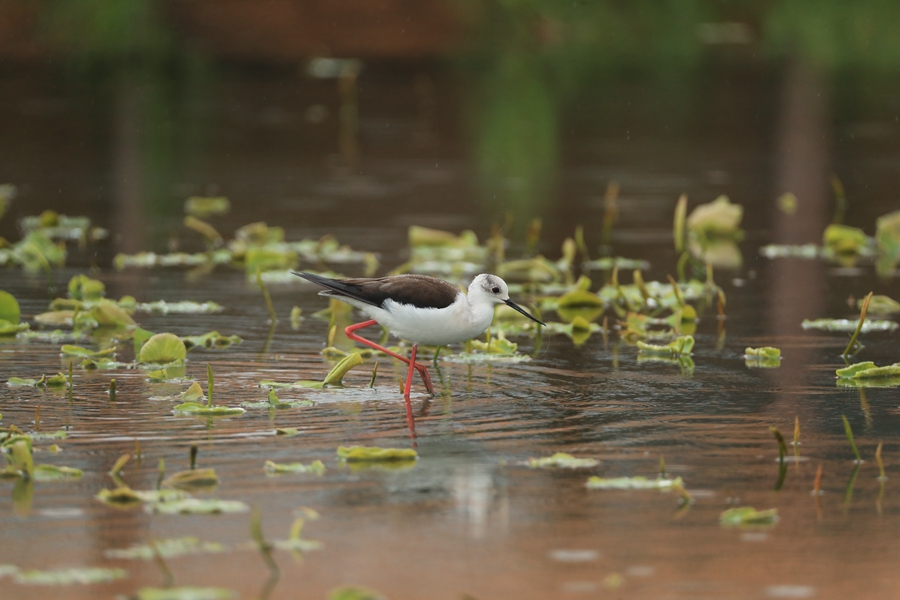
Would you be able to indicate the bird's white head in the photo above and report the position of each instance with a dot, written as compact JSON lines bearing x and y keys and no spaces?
{"x":490,"y":290}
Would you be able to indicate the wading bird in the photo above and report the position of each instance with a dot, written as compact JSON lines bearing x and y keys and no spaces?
{"x":421,"y":310}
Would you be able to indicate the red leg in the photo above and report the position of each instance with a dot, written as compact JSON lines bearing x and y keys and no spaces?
{"x":409,"y":375}
{"x":426,"y":379}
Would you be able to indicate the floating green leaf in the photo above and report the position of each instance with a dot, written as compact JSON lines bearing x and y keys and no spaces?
{"x":82,"y":287}
{"x":790,"y":251}
{"x":9,"y":308}
{"x":79,"y":351}
{"x":195,"y":478}
{"x":634,"y":483}
{"x":843,"y":239}
{"x":354,"y":592}
{"x":272,"y":401}
{"x":125,"y":496}
{"x":848,"y":326}
{"x":8,"y":329}
{"x":206,"y":206}
{"x":167,"y":548}
{"x":212,"y":339}
{"x":82,"y":576}
{"x":375,"y":454}
{"x":287,"y":431}
{"x":193,"y":393}
{"x":197,"y":506}
{"x":766,"y":352}
{"x":498,"y":345}
{"x":881,"y":305}
{"x":562,"y":460}
{"x":194,"y":408}
{"x":25,"y":382}
{"x":58,"y":380}
{"x":681,"y":346}
{"x":868,"y":370}
{"x":719,"y":218}
{"x":163,"y":348}
{"x":747,"y":516}
{"x":273,"y":468}
{"x":18,"y":453}
{"x":54,"y":473}
{"x":109,"y":314}
{"x":186,"y":593}
{"x":183,"y":307}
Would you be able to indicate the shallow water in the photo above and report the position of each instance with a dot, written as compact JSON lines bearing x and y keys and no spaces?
{"x":470,"y":519}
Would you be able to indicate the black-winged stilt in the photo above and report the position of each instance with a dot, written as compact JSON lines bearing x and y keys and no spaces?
{"x":421,"y":310}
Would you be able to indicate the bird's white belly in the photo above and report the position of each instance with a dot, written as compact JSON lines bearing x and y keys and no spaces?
{"x":431,"y":326}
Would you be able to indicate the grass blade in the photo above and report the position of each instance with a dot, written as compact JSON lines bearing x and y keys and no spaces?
{"x":862,"y":319}
{"x":849,"y":432}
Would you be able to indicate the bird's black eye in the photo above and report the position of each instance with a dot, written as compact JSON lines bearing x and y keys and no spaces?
{"x":495,"y":290}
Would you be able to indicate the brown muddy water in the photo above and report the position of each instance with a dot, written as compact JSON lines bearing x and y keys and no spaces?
{"x":469,"y":520}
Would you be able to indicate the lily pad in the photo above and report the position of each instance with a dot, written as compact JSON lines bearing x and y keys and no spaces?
{"x":125,"y":496}
{"x":195,"y":408}
{"x":681,"y":346}
{"x":375,"y":454}
{"x":562,"y":460}
{"x":183,"y":307}
{"x":273,"y":468}
{"x":610,"y":263}
{"x":849,"y":326}
{"x":790,"y":251}
{"x":498,"y":345}
{"x":82,"y":287}
{"x":58,"y":380}
{"x":82,"y":576}
{"x":272,"y":401}
{"x":843,"y":239}
{"x":766,"y":352}
{"x":54,"y":473}
{"x":868,"y":370}
{"x":212,"y":339}
{"x":193,"y":393}
{"x":633,"y":483}
{"x":163,"y":348}
{"x":9,"y":308}
{"x":197,"y":506}
{"x":167,"y":548}
{"x":354,"y":592}
{"x":56,"y":318}
{"x":79,"y":351}
{"x":186,"y":593}
{"x":109,"y":314}
{"x":887,"y":237}
{"x":287,"y":431}
{"x":880,"y":305}
{"x":8,"y":329}
{"x":719,"y":218}
{"x":206,"y":206}
{"x":192,"y":479}
{"x":748,"y":516}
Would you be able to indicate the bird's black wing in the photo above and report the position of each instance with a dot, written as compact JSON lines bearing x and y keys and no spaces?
{"x":420,"y":291}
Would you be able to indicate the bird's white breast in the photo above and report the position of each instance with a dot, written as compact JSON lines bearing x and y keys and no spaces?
{"x":433,"y":326}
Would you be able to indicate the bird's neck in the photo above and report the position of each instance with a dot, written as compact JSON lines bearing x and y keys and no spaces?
{"x":482,"y":313}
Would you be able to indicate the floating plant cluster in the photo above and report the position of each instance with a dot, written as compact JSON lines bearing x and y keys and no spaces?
{"x":656,"y":318}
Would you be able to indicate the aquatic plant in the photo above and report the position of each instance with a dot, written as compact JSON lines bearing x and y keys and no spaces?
{"x":634,"y":483}
{"x":747,"y":516}
{"x":562,"y":460}
{"x":375,"y":454}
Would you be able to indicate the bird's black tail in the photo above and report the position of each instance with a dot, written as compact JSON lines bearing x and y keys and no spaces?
{"x":336,"y":287}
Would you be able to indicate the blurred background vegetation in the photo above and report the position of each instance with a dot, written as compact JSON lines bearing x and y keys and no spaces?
{"x":149,"y":67}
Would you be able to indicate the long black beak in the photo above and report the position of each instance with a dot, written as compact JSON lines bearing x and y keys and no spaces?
{"x":515,"y":306}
